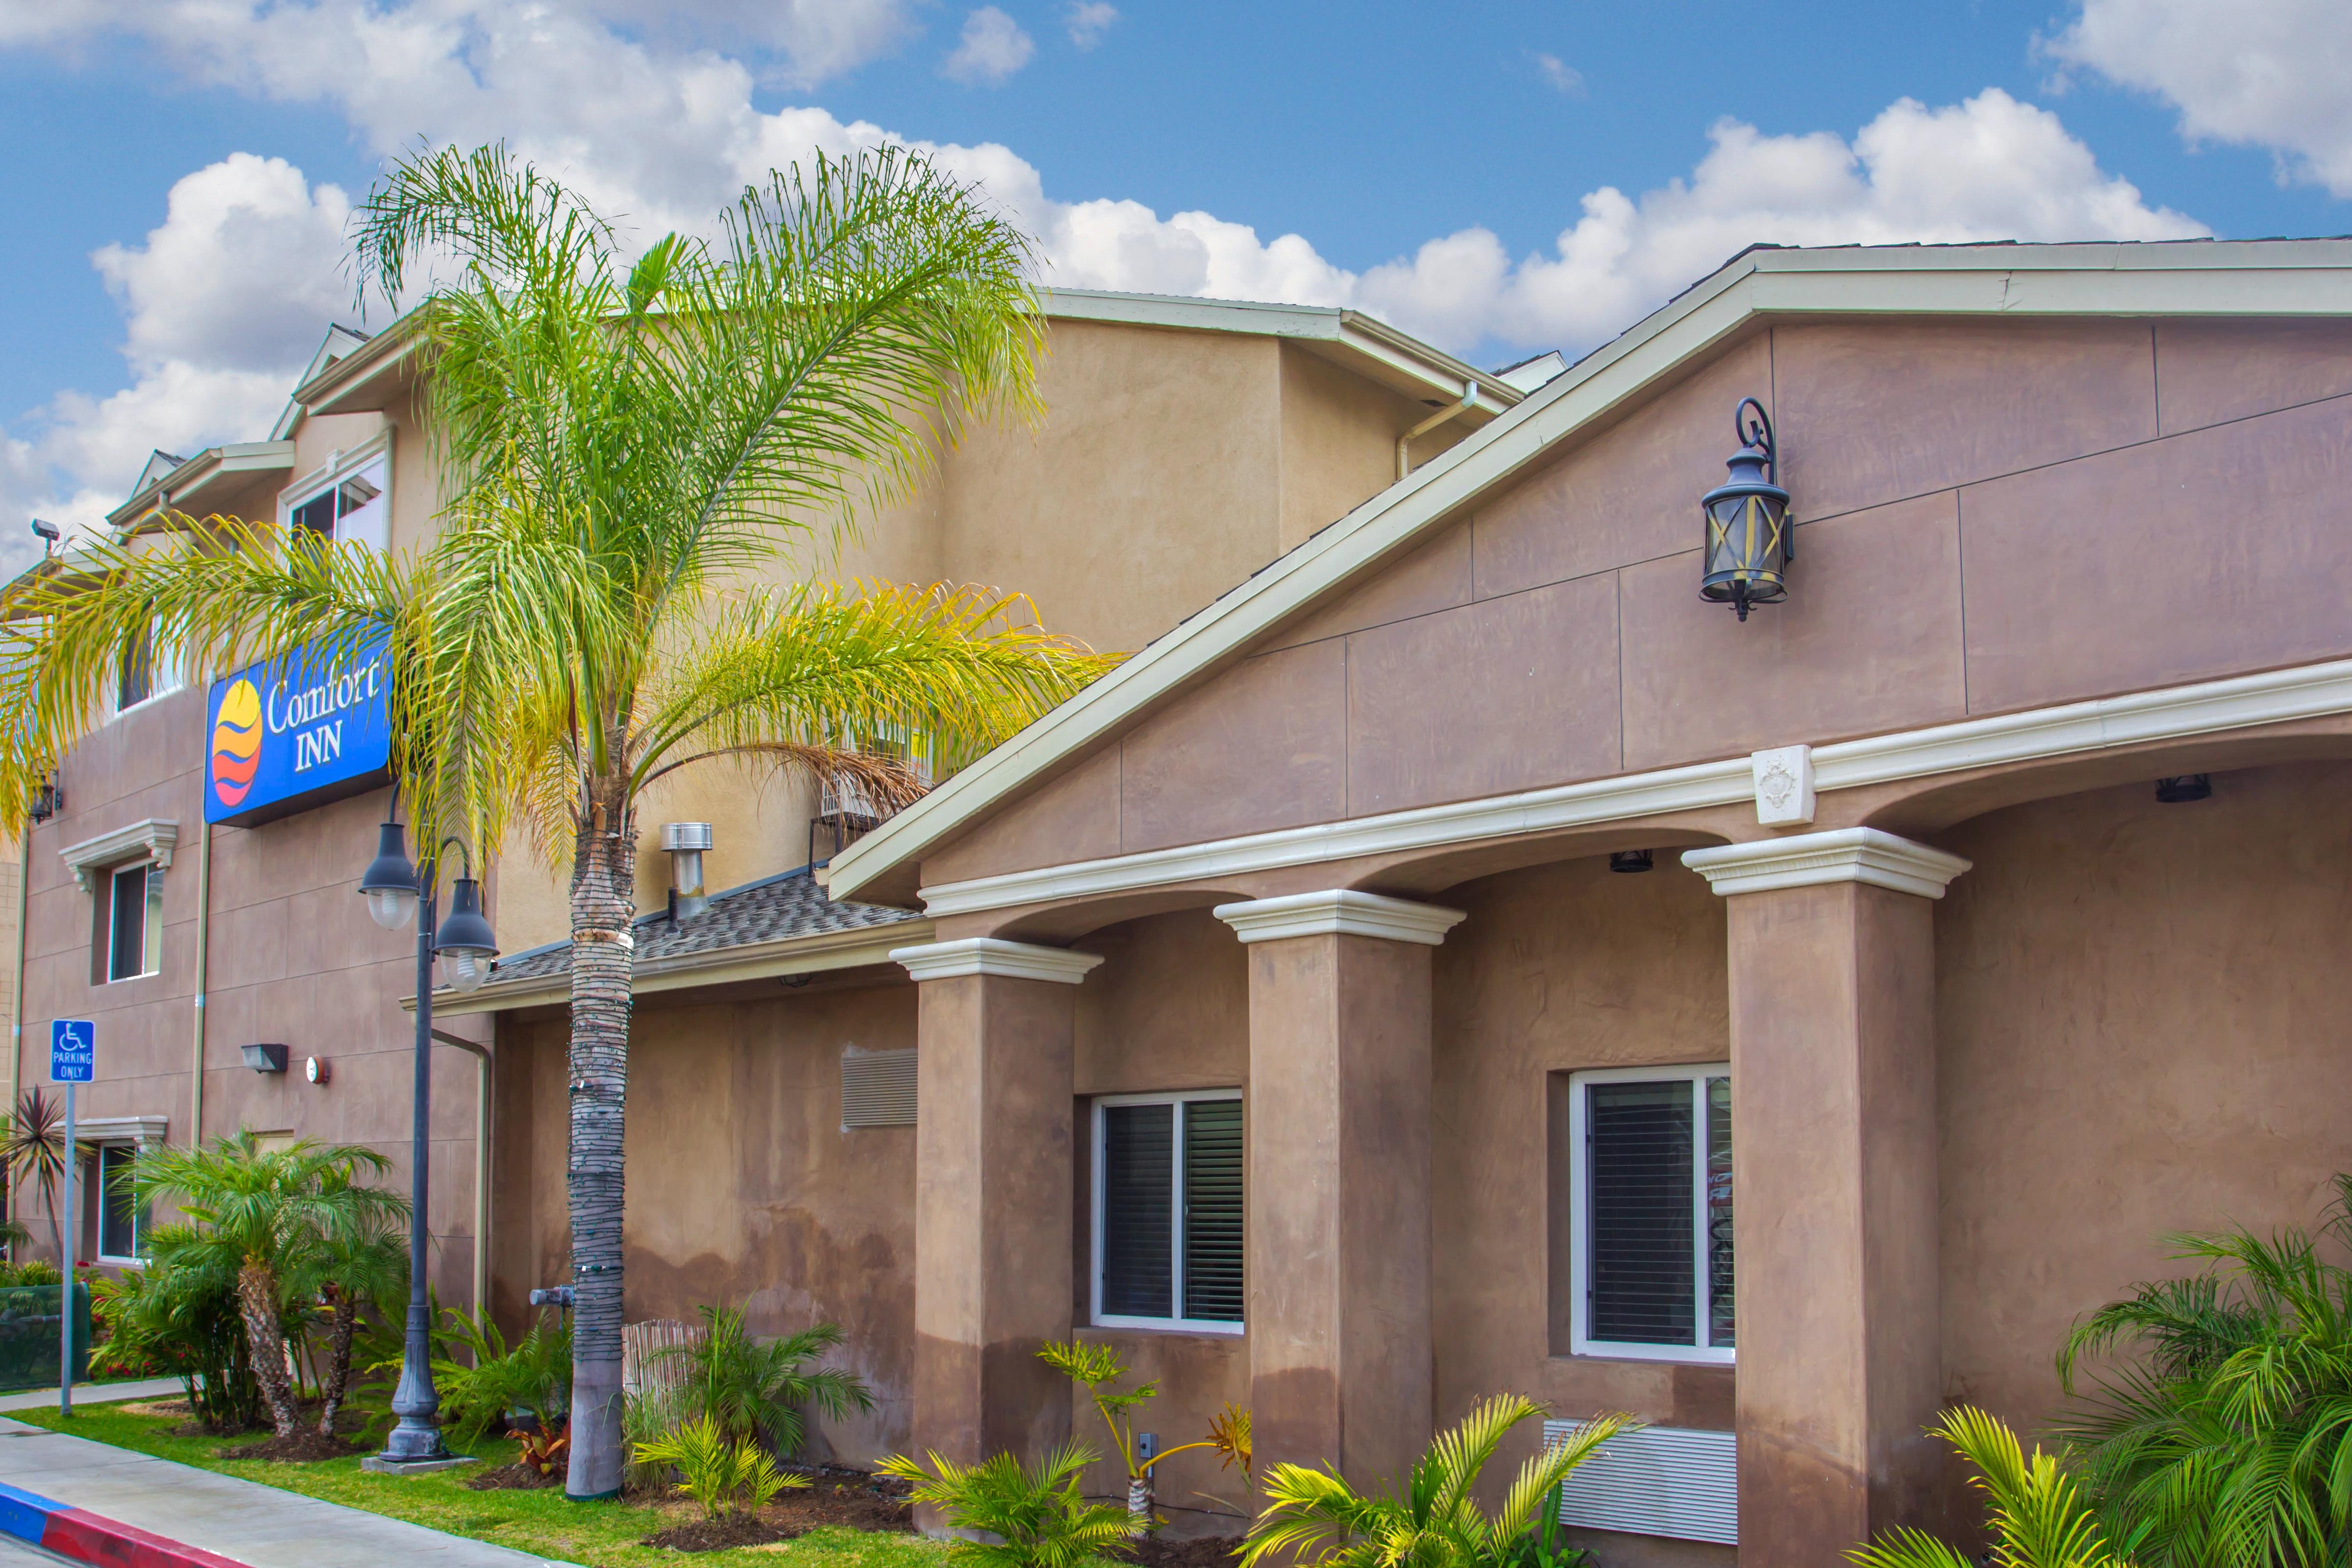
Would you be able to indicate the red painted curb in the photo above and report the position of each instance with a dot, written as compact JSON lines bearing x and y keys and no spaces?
{"x":82,"y":1536}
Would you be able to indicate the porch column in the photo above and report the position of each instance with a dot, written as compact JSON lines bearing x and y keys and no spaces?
{"x":993,"y":1163}
{"x":1339,"y":1178}
{"x":1834,"y":1177}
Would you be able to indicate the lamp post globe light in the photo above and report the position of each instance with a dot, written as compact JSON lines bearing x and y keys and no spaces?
{"x":1749,"y":540}
{"x":395,"y":891}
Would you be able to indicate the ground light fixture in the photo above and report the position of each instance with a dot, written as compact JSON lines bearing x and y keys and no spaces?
{"x":1749,"y":540}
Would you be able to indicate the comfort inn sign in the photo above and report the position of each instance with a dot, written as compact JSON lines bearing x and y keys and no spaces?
{"x":293,"y":733}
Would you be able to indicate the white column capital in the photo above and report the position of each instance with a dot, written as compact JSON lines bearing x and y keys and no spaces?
{"x":1340,"y":912}
{"x":993,"y":955}
{"x":1839,"y":855}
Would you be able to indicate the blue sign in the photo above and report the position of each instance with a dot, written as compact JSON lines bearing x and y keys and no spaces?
{"x":297,"y":732}
{"x":73,"y":1050}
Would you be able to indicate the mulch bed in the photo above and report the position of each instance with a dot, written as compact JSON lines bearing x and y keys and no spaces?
{"x":306,"y":1444}
{"x":515,"y":1477}
{"x":1200,"y":1551}
{"x":716,"y":1534}
{"x":839,"y":1495}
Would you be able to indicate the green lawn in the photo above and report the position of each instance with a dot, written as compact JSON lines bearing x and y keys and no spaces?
{"x":600,"y":1536}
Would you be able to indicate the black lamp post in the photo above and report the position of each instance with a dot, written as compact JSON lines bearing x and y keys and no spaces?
{"x":1748,"y":542}
{"x":395,"y":891}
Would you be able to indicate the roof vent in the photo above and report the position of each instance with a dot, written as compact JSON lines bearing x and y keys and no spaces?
{"x":686,"y":841}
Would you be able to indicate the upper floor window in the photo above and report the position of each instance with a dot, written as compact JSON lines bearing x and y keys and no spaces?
{"x":349,"y":500}
{"x":144,"y":674}
{"x":132,"y":922}
{"x":1168,"y":1250}
{"x":1650,"y":1215}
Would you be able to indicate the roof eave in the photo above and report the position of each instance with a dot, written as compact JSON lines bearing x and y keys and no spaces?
{"x":191,"y":480}
{"x":2205,"y":278}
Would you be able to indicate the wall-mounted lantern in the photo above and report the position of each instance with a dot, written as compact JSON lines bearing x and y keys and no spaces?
{"x":2182,"y":788}
{"x":1748,"y":546}
{"x":1629,"y":862}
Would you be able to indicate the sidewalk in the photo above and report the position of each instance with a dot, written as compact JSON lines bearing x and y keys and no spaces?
{"x":93,"y":1394}
{"x":224,"y":1520}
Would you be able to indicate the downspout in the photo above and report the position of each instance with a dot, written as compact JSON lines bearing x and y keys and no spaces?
{"x":1404,"y":442}
{"x":204,"y":950}
{"x":481,"y":1054}
{"x":16,"y":1007}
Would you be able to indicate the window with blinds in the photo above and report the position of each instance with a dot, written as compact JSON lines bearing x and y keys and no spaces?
{"x":1168,"y":1212}
{"x":1651,"y":1214}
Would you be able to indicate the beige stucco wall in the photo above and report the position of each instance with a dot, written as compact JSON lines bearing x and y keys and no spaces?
{"x":2136,"y":506}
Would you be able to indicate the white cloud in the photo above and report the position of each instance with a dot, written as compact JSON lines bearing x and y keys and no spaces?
{"x":993,"y":48}
{"x":1089,"y":20}
{"x":224,"y":301}
{"x":1558,"y":75}
{"x":819,"y":39}
{"x":2265,"y":73}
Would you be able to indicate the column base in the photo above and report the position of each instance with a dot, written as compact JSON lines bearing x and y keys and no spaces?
{"x":386,"y":1465}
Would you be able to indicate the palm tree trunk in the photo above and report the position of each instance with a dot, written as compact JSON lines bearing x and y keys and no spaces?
{"x":342,"y":1322}
{"x":604,"y":886}
{"x":257,"y":1301}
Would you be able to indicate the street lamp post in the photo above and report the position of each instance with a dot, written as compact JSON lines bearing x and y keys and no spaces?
{"x":394,"y":892}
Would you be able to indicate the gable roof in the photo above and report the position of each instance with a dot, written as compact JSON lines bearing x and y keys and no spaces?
{"x":2183,"y":278}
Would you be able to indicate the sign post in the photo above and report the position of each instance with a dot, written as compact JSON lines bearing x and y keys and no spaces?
{"x":73,"y":1056}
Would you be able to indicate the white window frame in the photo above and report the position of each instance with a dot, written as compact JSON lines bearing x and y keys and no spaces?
{"x":1095,"y":1312}
{"x":163,"y":679}
{"x":1580,"y":1217}
{"x":116,"y":1260}
{"x":150,"y":934}
{"x":341,"y":466}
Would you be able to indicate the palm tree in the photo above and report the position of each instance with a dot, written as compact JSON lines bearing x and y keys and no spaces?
{"x":754,"y":1389}
{"x":270,"y":1211}
{"x":1316,"y":1518}
{"x":2040,"y":1518}
{"x":359,"y":1264}
{"x":2225,"y":1435}
{"x":623,"y":451}
{"x":33,"y":1150}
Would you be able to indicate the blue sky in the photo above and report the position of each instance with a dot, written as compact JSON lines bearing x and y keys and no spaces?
{"x":180,"y":181}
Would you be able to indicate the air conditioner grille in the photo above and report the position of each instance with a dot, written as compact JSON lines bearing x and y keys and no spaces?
{"x":878,"y":1088}
{"x":1661,"y":1480}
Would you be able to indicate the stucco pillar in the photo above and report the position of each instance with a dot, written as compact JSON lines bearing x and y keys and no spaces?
{"x":1339,"y":1178}
{"x":1834,"y":1177}
{"x":994,"y":1200}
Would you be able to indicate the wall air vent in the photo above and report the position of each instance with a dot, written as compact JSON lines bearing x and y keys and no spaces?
{"x":878,"y":1088}
{"x":1661,"y":1480}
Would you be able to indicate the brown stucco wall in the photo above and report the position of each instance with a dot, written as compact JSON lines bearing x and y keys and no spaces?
{"x":2135,"y":506}
{"x":743,"y":1188}
{"x":2139,"y":1031}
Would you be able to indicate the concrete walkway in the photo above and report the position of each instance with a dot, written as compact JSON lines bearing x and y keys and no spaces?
{"x":240,"y":1521}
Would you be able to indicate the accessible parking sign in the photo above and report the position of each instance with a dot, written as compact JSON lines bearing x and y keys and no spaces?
{"x":73,"y":1050}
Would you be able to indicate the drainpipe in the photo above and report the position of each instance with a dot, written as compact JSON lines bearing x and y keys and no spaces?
{"x":203,"y":949}
{"x":481,"y":1054}
{"x":1405,"y":441}
{"x":17,"y":1008}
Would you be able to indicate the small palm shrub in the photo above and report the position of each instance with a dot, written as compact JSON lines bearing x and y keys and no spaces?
{"x":719,"y":1474}
{"x":1096,"y":1367}
{"x":753,"y":1389}
{"x":1316,"y":1518}
{"x":2039,"y":1516}
{"x":649,"y":1413}
{"x":1037,"y":1513}
{"x":2223,"y":1434}
{"x":534,"y":1375}
{"x":179,"y":1316}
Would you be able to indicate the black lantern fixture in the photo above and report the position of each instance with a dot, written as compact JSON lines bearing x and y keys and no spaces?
{"x":463,"y":939}
{"x":2182,"y":788}
{"x":390,"y":882}
{"x":1748,"y":545}
{"x":1629,"y":862}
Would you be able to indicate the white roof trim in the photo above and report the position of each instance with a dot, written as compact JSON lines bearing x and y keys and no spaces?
{"x":142,"y":1129}
{"x":2191,"y":278}
{"x":153,"y":839}
{"x":237,"y":458}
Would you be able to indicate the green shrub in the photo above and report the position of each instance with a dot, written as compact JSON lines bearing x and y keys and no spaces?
{"x":1038,"y":1516}
{"x":754,"y":1388}
{"x":533,"y":1375}
{"x":1316,"y":1518}
{"x":178,"y":1316}
{"x":2038,"y":1519}
{"x":719,"y":1474}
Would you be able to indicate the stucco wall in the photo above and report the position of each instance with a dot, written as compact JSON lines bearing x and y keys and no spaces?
{"x":743,"y":1188}
{"x":2140,"y":1030}
{"x":2136,"y":506}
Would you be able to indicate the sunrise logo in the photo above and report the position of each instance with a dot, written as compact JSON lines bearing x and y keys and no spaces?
{"x":236,"y":743}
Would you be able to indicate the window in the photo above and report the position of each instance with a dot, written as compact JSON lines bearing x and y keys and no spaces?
{"x":1168,"y":1212}
{"x":135,"y":922}
{"x":1651,"y":1213}
{"x":346,"y":501}
{"x":122,"y":1224}
{"x":142,"y":677}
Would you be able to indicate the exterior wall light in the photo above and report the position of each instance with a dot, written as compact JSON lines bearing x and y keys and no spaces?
{"x":464,"y":937}
{"x":2183,"y":787}
{"x":1749,"y":542}
{"x":389,"y":883}
{"x":1629,"y":861}
{"x":264,"y":1058}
